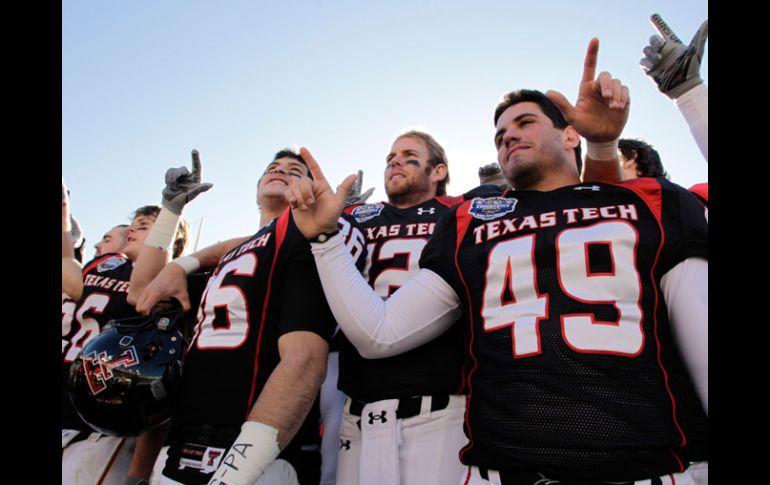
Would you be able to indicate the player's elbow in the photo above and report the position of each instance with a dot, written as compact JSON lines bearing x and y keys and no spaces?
{"x":374,"y":351}
{"x":307,"y":360}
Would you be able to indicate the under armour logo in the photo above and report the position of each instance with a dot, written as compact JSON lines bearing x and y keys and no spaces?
{"x":345,"y":444}
{"x":421,"y":211}
{"x":377,"y":417}
{"x":595,"y":188}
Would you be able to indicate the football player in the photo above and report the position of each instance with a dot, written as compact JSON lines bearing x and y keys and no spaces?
{"x":258,"y":356}
{"x":99,"y":294}
{"x":586,"y":302}
{"x":406,"y":407}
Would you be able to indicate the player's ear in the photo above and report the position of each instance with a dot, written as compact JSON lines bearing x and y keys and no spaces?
{"x":571,"y":137}
{"x":440,"y":172}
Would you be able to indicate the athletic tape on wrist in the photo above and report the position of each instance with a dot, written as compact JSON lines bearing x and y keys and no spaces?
{"x":602,"y":151}
{"x":162,"y":233}
{"x":190,"y":264}
{"x":251,"y":453}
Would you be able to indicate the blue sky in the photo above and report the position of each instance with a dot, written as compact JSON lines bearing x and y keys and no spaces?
{"x":145,"y":82}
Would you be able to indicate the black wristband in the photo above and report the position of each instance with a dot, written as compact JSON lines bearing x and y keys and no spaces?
{"x":324,"y":236}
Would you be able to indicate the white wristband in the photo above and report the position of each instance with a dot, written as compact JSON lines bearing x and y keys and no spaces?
{"x":162,"y":233}
{"x":602,"y":151}
{"x":252,"y":452}
{"x":190,"y":264}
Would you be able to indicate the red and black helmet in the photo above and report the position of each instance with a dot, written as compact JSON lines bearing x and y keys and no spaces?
{"x":127,"y":379}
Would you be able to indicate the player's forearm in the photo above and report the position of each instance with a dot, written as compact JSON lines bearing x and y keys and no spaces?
{"x":601,"y":163}
{"x":210,"y":256}
{"x":418,"y":312}
{"x":148,"y":264}
{"x":685,"y":289}
{"x":298,"y":375}
{"x":694,"y":105}
{"x":601,"y":171}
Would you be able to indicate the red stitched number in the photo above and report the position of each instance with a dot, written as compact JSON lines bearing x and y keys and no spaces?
{"x":512,"y":298}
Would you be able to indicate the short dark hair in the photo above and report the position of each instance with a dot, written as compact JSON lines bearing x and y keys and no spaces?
{"x":546,"y":105}
{"x":648,"y":162}
{"x":182,"y":229}
{"x":437,"y":155}
{"x":289,"y":152}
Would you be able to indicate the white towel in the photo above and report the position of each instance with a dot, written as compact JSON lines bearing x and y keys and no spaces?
{"x":380,"y":440}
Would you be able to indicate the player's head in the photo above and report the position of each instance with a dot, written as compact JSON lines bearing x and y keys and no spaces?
{"x":275,"y":180}
{"x":113,"y":240}
{"x":141,"y":222}
{"x":534,"y":142}
{"x":416,"y":168}
{"x":639,"y":159}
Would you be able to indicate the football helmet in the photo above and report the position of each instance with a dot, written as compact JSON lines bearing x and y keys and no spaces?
{"x":126,"y":380}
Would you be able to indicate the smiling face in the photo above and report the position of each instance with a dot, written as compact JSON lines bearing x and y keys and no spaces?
{"x":531,"y":151}
{"x":137,"y":233}
{"x":275,"y":180}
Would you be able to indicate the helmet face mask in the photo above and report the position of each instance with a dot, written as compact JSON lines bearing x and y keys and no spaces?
{"x":127,"y":379}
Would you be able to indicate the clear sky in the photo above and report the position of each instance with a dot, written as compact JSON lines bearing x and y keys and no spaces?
{"x":144,"y":82}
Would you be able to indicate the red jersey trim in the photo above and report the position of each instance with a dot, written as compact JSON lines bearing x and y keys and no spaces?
{"x":448,"y":200}
{"x":701,"y":190}
{"x":650,"y":191}
{"x":463,"y":219}
{"x":282,"y":224}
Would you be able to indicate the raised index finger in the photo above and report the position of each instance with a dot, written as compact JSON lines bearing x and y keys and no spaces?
{"x":663,"y":28}
{"x":312,"y":165}
{"x":592,"y":55}
{"x":196,"y":164}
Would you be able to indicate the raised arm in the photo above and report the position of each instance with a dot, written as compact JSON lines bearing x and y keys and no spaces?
{"x":599,"y":116}
{"x":181,"y":187}
{"x":71,"y":270}
{"x":675,"y":69}
{"x":171,"y":280}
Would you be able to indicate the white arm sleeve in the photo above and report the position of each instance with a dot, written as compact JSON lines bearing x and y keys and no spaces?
{"x":694,"y":105}
{"x":685,"y":289}
{"x":418,"y":312}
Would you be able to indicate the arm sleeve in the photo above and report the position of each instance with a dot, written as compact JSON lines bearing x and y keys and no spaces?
{"x":419,"y":311}
{"x":685,"y":289}
{"x":694,"y":105}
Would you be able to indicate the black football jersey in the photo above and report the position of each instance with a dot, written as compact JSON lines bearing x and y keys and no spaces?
{"x":105,"y":287}
{"x":264,"y":288}
{"x":395,"y":239}
{"x":574,"y":368}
